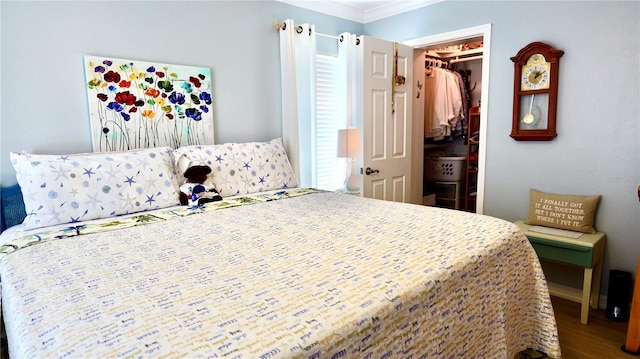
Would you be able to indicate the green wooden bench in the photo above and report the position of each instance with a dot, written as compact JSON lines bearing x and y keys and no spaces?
{"x":586,"y":251}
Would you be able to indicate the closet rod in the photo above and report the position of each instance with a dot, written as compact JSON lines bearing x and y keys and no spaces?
{"x":453,"y":61}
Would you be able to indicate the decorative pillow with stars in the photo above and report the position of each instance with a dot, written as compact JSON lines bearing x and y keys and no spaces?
{"x":78,"y":187}
{"x":244,"y":168}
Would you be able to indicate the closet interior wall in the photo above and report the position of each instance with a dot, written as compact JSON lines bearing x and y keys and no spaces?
{"x":450,"y":163}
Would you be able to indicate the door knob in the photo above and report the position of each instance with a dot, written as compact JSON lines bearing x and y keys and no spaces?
{"x":369,"y":171}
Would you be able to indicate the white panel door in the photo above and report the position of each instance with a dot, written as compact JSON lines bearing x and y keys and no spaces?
{"x":386,"y":119}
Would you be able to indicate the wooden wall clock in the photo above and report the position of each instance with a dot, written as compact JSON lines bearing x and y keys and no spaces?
{"x":535,"y":92}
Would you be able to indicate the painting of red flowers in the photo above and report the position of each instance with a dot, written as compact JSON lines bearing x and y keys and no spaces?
{"x":136,"y":104}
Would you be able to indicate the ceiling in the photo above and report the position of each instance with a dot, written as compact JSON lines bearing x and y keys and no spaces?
{"x":362,"y":11}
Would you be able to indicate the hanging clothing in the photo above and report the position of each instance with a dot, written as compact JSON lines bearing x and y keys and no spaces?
{"x":465,"y":91}
{"x":466,"y":100}
{"x":443,"y":102}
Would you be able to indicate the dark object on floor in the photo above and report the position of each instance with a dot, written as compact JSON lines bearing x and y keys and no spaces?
{"x":618,"y":296}
{"x":628,"y":352}
{"x":530,"y":354}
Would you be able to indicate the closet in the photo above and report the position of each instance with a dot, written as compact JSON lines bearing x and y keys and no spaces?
{"x":451,"y":90}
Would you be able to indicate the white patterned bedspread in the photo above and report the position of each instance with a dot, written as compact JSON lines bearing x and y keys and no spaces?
{"x":321,"y":275}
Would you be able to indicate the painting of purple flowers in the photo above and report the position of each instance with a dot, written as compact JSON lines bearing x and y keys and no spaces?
{"x":136,"y":104}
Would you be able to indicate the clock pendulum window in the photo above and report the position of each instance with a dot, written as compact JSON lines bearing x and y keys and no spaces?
{"x":535,"y":92}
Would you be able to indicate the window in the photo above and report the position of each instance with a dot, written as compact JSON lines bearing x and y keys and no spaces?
{"x":330,"y":169}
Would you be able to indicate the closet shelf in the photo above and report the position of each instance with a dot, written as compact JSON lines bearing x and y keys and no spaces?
{"x":453,"y":54}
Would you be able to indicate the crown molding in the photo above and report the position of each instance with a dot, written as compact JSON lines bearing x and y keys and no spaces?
{"x":391,"y":8}
{"x":355,"y":11}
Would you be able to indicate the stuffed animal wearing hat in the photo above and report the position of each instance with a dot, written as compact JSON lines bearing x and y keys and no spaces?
{"x":196,"y":189}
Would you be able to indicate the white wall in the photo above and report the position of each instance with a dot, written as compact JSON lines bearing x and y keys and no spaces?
{"x":597,"y":150}
{"x":44,"y":101}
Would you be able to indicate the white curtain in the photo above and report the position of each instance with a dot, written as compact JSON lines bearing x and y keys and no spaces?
{"x":299,"y":122}
{"x":298,"y":71}
{"x":347,"y":67}
{"x":347,"y":62}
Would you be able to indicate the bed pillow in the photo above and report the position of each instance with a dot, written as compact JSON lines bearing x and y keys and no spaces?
{"x":70,"y":188}
{"x":244,"y":168}
{"x":575,"y":213}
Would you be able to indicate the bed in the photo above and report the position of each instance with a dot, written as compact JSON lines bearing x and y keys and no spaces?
{"x":274,"y":272}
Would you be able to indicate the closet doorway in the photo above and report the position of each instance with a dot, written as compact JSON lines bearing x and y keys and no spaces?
{"x":479,"y":33}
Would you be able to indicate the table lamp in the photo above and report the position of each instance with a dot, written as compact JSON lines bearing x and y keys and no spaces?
{"x":349,"y":147}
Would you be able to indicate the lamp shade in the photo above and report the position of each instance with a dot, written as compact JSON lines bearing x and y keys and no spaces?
{"x":349,"y":142}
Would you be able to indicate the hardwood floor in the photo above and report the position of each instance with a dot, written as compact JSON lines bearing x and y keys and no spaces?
{"x":600,"y":339}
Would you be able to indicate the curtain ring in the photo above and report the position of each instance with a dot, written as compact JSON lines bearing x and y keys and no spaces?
{"x":341,"y":38}
{"x":284,"y":26}
{"x":309,"y":31}
{"x":299,"y":29}
{"x":357,"y":41}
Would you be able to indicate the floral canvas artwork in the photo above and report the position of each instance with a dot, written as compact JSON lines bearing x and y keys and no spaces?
{"x":136,"y":104}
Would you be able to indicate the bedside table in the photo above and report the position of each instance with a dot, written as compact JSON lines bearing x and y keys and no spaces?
{"x":586,"y":251}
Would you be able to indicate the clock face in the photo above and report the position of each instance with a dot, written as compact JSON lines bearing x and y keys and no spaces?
{"x":535,"y":77}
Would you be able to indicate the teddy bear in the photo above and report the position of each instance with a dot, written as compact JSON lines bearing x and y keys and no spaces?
{"x":196,"y":188}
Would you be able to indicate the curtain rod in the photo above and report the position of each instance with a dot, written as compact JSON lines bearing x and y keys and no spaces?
{"x":277,"y":25}
{"x":328,"y":35}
